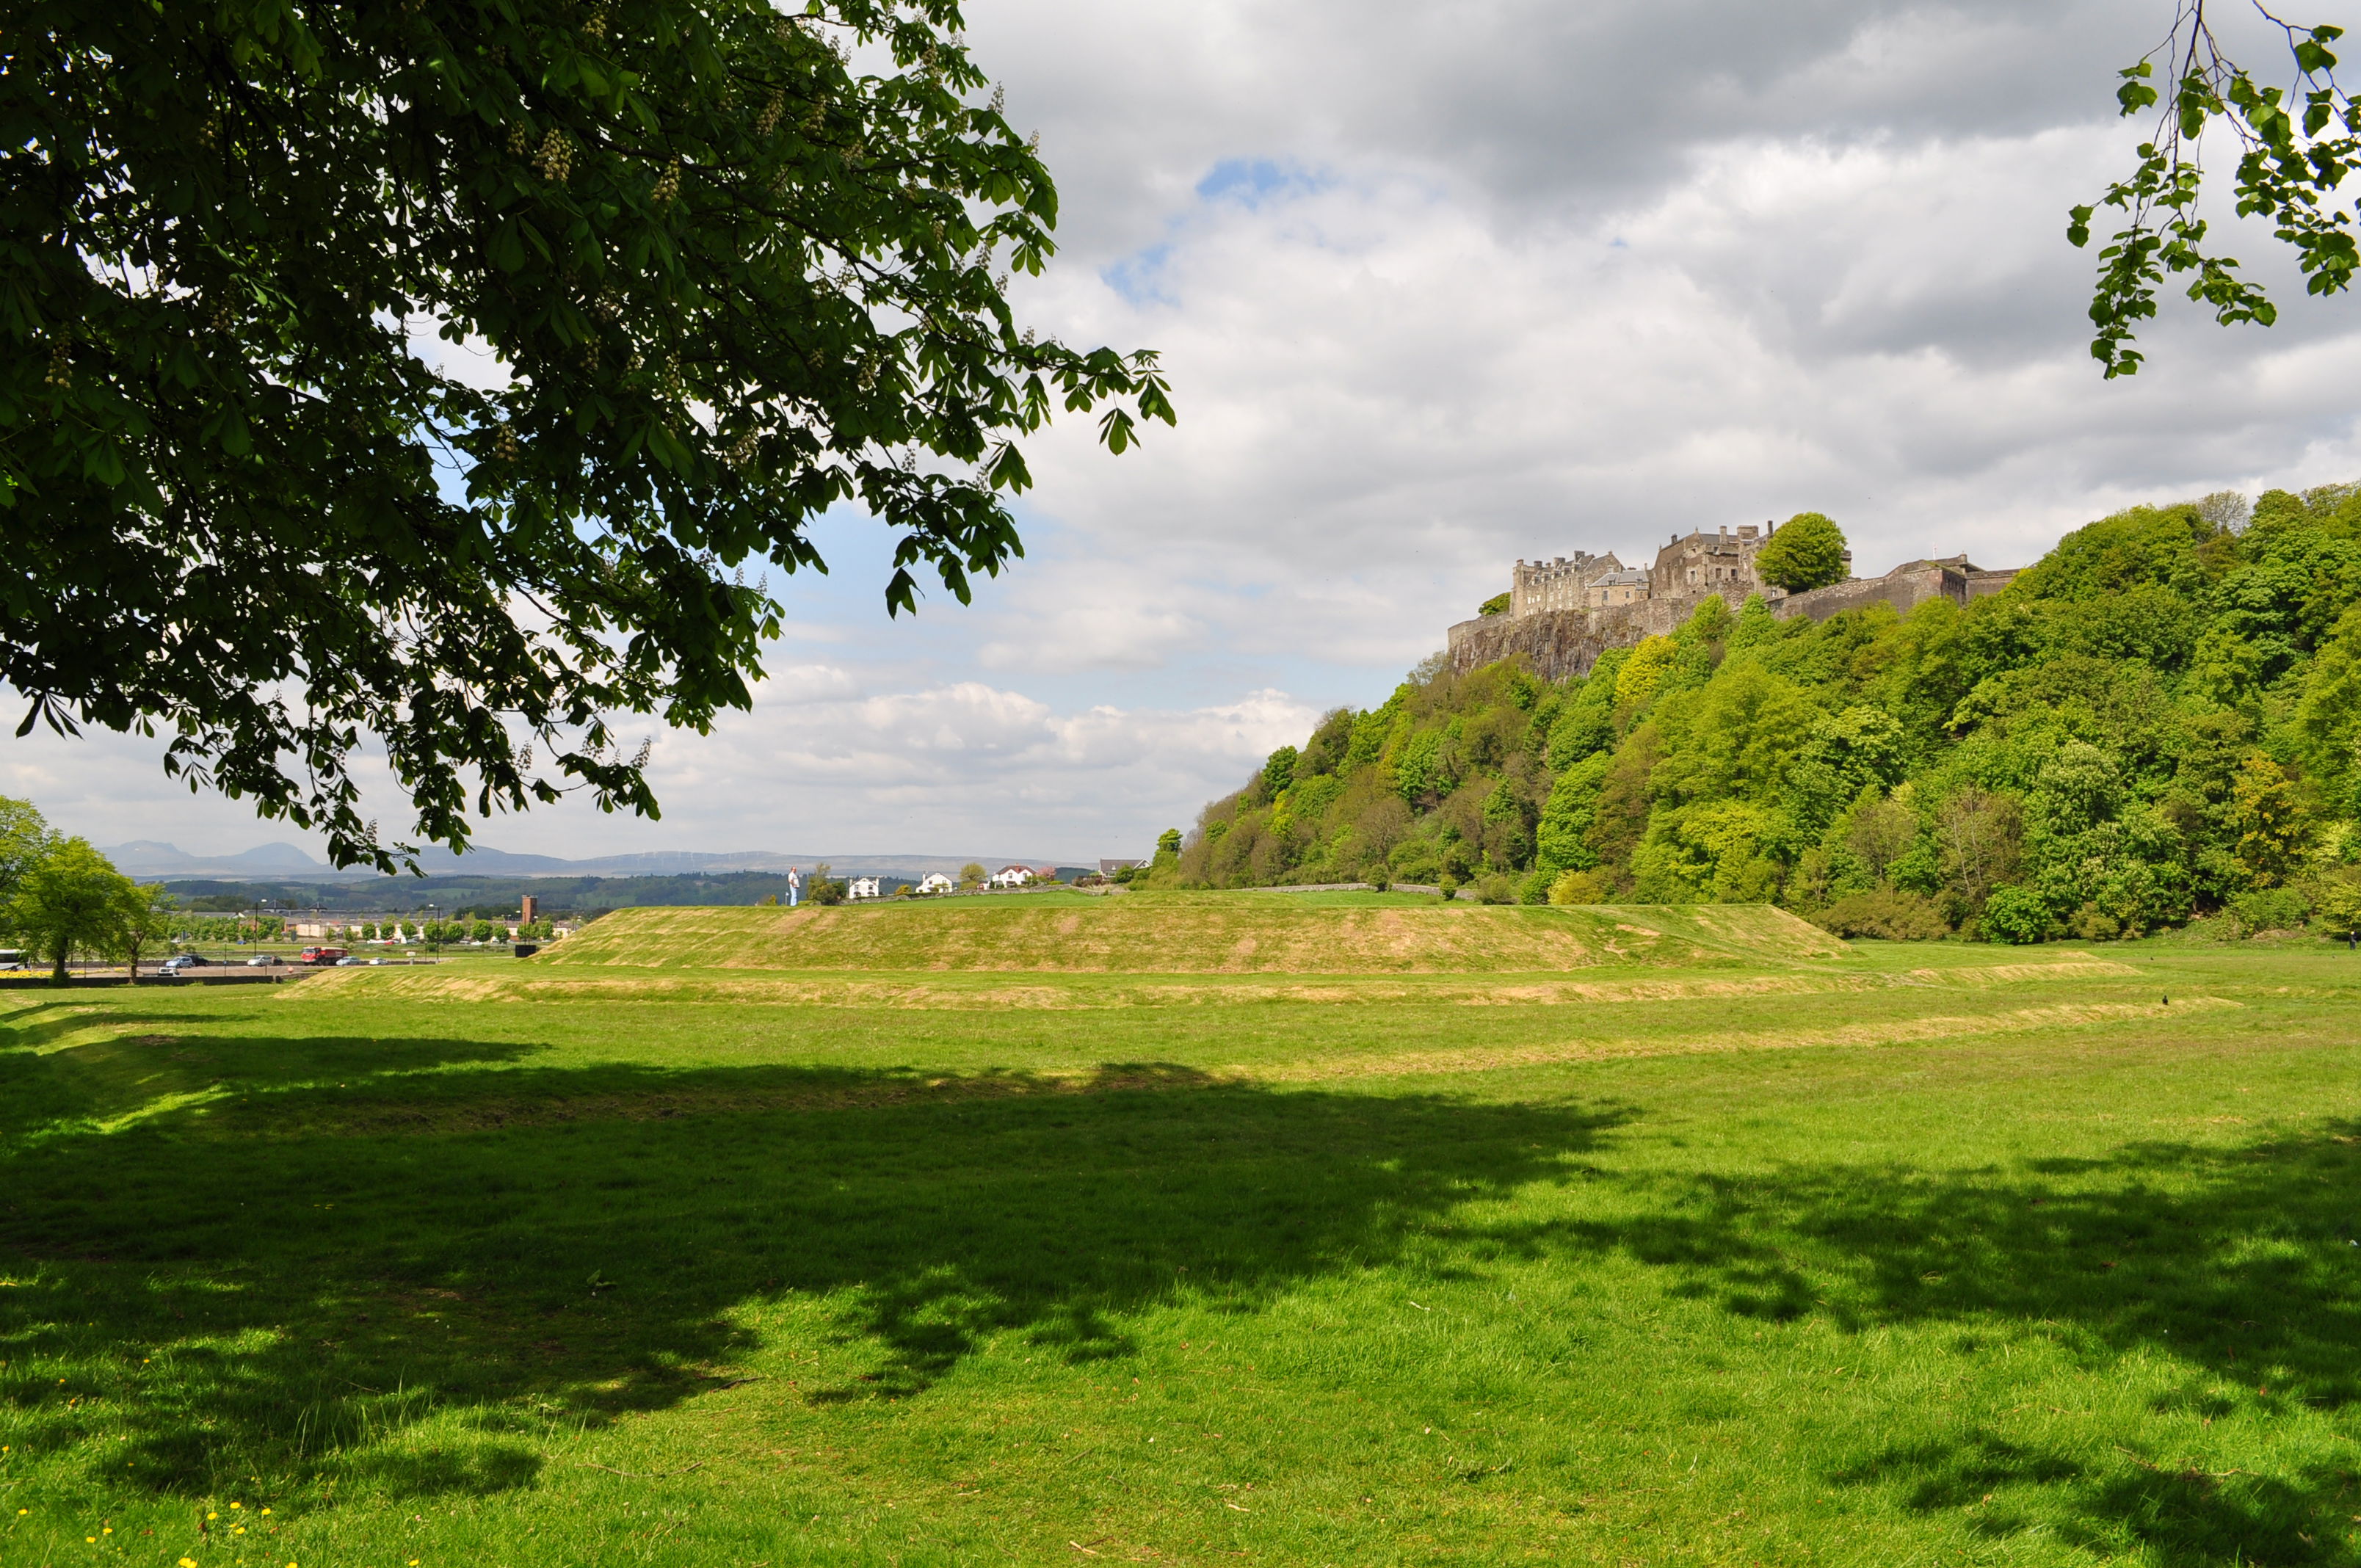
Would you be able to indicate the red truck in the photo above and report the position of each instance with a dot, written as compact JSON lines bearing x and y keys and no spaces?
{"x":323,"y":957}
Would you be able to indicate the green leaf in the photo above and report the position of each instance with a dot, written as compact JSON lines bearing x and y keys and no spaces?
{"x":506,"y":250}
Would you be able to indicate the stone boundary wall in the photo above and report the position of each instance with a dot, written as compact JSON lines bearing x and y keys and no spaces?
{"x":1557,"y":643}
{"x":1905,"y":590}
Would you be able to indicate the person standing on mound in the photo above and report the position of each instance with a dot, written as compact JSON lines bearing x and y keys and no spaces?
{"x":794,"y":886}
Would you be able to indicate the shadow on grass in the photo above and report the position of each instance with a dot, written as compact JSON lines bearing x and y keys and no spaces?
{"x":327,"y":1247}
{"x":2237,"y":1267}
{"x":436,"y":1243}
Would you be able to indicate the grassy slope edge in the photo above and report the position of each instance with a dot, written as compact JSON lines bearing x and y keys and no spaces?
{"x":1185,"y":934}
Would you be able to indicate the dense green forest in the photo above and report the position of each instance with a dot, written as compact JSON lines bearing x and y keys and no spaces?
{"x":2156,"y":721}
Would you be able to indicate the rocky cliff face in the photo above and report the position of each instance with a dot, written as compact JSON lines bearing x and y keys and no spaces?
{"x":1562,"y":643}
{"x":1557,"y":643}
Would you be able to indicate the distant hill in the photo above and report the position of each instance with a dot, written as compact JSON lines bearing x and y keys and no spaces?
{"x":147,"y":858}
{"x":560,"y":897}
{"x":285,"y":862}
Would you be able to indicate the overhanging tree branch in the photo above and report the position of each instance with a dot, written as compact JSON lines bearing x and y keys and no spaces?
{"x":2295,"y":144}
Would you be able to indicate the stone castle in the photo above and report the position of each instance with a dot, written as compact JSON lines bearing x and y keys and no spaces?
{"x":1563,"y":613}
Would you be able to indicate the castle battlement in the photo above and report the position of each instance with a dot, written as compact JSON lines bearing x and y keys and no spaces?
{"x":1538,"y":586}
{"x":1688,"y":566}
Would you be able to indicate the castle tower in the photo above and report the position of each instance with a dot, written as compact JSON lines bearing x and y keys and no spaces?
{"x":1698,"y":563}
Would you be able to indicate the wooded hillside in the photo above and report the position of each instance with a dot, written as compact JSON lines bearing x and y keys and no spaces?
{"x":2158,"y":720}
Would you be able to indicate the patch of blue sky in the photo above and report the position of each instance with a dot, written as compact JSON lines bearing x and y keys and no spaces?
{"x":1247,"y":182}
{"x":1251,"y":181}
{"x":1138,"y":276}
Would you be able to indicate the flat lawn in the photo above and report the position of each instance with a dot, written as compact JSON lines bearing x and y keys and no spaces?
{"x":1923,"y":1254}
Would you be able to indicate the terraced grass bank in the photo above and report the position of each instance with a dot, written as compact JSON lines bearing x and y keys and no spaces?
{"x":1721,"y":1245}
{"x":1195,"y":934}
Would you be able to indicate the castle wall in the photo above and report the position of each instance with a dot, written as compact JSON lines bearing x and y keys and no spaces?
{"x":1904,"y":588}
{"x":1905,"y":591}
{"x":1557,"y":643}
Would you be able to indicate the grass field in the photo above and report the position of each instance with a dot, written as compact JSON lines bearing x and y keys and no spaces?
{"x":1717,"y":1245}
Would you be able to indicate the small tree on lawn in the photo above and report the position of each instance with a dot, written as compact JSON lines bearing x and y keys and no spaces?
{"x":143,"y":917}
{"x":971,"y":874}
{"x":72,"y":898}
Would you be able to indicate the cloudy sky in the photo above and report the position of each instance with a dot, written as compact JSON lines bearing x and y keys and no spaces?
{"x":1440,"y":286}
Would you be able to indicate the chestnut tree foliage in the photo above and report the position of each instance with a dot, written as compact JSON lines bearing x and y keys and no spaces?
{"x":725,"y":267}
{"x":2295,"y":144}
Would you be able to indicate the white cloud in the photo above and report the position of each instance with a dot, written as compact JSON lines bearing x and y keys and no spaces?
{"x":955,"y":768}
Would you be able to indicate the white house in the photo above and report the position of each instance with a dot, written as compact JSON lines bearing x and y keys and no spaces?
{"x":1012,"y":876}
{"x":935,"y":881}
{"x":863,"y":887}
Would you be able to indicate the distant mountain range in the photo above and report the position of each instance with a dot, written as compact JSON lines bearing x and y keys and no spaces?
{"x":285,"y":862}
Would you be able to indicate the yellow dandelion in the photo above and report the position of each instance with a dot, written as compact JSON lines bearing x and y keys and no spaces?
{"x":188,"y":1562}
{"x":265,"y":1510}
{"x":238,"y":1504}
{"x":91,"y":1539}
{"x":213,"y":1515}
{"x":239,"y":1530}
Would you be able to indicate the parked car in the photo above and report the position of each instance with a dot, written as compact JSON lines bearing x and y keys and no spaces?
{"x":346,"y":963}
{"x":262,"y":960}
{"x":12,"y":959}
{"x":180,"y":962}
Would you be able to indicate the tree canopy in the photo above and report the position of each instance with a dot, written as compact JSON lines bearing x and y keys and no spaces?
{"x":24,"y":838}
{"x":721,"y":268}
{"x":1808,"y":550}
{"x":73,"y":899}
{"x":2295,"y":144}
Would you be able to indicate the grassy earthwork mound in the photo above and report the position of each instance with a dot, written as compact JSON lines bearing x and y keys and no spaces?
{"x":1192,"y":934}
